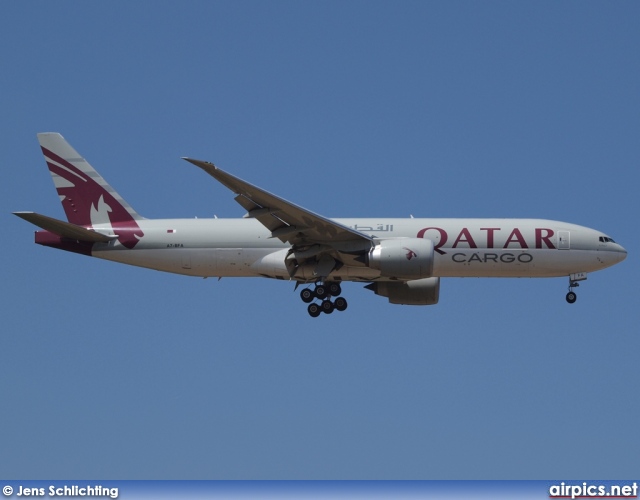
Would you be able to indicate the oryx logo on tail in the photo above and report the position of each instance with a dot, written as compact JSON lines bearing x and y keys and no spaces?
{"x":86,"y":197}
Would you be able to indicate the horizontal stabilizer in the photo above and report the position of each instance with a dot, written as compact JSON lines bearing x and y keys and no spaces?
{"x":64,"y":229}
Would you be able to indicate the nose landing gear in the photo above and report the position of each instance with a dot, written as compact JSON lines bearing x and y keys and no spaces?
{"x":573,"y":283}
{"x":323,"y":292}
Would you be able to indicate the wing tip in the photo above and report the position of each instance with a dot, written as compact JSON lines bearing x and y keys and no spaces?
{"x":200,"y":163}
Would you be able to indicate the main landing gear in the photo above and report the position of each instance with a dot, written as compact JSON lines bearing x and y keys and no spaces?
{"x":323,"y":292}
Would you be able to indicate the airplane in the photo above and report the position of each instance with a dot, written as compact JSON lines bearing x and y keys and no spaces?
{"x":401,"y":259}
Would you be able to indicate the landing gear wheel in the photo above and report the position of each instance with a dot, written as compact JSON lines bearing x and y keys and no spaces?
{"x":321,"y":291}
{"x":334,"y":289}
{"x":307,"y":295}
{"x":340,"y":304}
{"x":571,"y":297}
{"x":314,"y":310}
{"x":327,"y":306}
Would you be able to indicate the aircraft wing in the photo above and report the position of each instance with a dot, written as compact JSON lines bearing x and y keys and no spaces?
{"x":286,"y":221}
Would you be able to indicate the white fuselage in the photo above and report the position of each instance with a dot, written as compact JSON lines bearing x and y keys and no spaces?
{"x":463,"y":247}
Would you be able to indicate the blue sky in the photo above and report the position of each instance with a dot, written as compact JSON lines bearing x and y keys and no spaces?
{"x":450,"y":109}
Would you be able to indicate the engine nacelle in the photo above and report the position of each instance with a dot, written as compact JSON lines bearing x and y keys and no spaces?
{"x":403,"y":258}
{"x":424,"y":292}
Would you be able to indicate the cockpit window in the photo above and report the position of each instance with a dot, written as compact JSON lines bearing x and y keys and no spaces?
{"x":606,"y":239}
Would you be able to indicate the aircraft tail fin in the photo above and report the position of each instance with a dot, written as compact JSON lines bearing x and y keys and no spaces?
{"x":88,"y":200}
{"x":86,"y":197}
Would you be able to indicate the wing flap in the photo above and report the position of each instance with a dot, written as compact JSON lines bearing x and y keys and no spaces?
{"x":265,"y":215}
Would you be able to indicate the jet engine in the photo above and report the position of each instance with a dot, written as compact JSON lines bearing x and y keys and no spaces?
{"x":424,"y":292}
{"x":403,"y":258}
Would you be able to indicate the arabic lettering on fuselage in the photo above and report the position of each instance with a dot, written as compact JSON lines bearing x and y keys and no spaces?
{"x":379,"y":227}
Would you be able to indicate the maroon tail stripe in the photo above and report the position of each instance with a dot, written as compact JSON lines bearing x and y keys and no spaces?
{"x":52,"y":156}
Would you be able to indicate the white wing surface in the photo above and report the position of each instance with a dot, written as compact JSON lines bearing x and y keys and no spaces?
{"x":286,"y":221}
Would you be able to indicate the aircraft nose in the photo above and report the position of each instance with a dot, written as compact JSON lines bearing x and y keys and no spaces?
{"x":622,"y":254}
{"x":619,"y":253}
